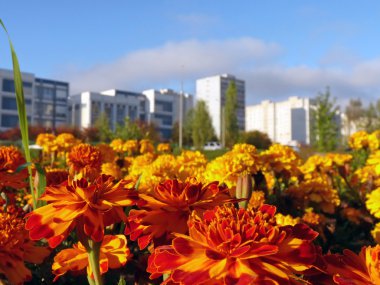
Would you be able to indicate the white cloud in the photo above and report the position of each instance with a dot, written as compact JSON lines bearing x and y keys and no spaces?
{"x":255,"y":61}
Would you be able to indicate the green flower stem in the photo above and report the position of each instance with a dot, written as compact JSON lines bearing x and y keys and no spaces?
{"x":93,"y":251}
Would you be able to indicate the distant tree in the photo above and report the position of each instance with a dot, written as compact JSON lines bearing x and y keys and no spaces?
{"x":129,"y":130}
{"x":230,"y":118}
{"x":259,"y":139}
{"x":188,"y":128}
{"x":354,"y":111}
{"x":371,"y":117}
{"x":102,"y":124}
{"x":324,"y":131}
{"x":202,"y":129}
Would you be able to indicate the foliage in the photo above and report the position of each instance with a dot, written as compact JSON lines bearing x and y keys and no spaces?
{"x":187,"y":129}
{"x":371,"y":117}
{"x":230,"y":118}
{"x":203,"y":130}
{"x":324,"y":130}
{"x":259,"y":139}
{"x":102,"y":124}
{"x":354,"y":111}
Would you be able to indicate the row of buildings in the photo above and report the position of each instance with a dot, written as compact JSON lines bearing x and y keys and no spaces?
{"x":50,"y":104}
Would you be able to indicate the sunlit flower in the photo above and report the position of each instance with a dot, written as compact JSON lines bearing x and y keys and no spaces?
{"x":236,"y":246}
{"x":84,"y":160}
{"x":66,"y":141}
{"x":314,"y":193}
{"x":191,"y":164}
{"x":80,"y":204}
{"x":168,"y":207}
{"x":243,"y":159}
{"x":10,"y":159}
{"x":256,"y":200}
{"x":113,"y":254}
{"x":47,"y":142}
{"x":282,"y":160}
{"x":374,"y":140}
{"x":117,"y":145}
{"x":15,"y":248}
{"x":318,"y":166}
{"x":376,"y":233}
{"x":111,"y":169}
{"x":163,"y":147}
{"x":349,"y":268}
{"x":131,"y":147}
{"x":286,"y":220}
{"x":146,"y":146}
{"x":311,"y":217}
{"x":139,"y":163}
{"x":374,"y":161}
{"x":373,"y":202}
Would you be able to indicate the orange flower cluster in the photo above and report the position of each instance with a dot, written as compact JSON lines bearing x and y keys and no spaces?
{"x":236,"y":246}
{"x":10,"y":159}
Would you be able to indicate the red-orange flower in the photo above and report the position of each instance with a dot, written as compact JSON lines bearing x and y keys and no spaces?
{"x":168,"y":207}
{"x":15,"y":248}
{"x":10,"y":159}
{"x":55,"y":176}
{"x":85,"y":160}
{"x":82,"y":204}
{"x":113,"y":254}
{"x":349,"y":268}
{"x":236,"y":246}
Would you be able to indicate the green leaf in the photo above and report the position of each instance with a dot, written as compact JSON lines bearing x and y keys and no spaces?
{"x":20,"y":100}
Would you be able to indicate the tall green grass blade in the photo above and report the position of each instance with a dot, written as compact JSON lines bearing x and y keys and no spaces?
{"x":21,"y":112}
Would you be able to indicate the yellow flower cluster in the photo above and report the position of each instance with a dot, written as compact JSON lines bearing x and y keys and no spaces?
{"x":363,"y":140}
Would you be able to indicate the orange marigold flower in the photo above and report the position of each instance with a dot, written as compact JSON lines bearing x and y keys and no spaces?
{"x":131,"y":147}
{"x":55,"y":176}
{"x":84,"y":160}
{"x":349,"y":268}
{"x":111,"y":169}
{"x":191,"y":164}
{"x":311,"y":218}
{"x":146,"y":146}
{"x":163,"y":147}
{"x":114,"y":253}
{"x":236,"y":246}
{"x":286,"y":220}
{"x":79,"y":203}
{"x":117,"y":145}
{"x":66,"y":141}
{"x":10,"y":159}
{"x":106,"y":152}
{"x":168,"y":207}
{"x":47,"y":142}
{"x":15,"y":248}
{"x":256,"y":200}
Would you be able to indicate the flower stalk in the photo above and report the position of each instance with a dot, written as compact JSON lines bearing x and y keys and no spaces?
{"x":93,"y":251}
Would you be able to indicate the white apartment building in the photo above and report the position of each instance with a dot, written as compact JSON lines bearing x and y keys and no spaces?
{"x":213,"y":91}
{"x":45,"y":99}
{"x":164,"y":109}
{"x":86,"y":107}
{"x":285,"y":122}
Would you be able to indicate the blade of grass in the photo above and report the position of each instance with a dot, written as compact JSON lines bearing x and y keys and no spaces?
{"x":20,"y":100}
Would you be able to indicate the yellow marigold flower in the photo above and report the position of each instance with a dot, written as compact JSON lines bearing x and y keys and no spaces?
{"x":235,"y":246}
{"x":87,"y":206}
{"x":111,"y":169}
{"x":286,"y":220}
{"x":374,"y":161}
{"x":241,"y":160}
{"x":359,"y":140}
{"x":131,"y":147}
{"x":191,"y":164}
{"x":146,"y":146}
{"x":282,"y":160}
{"x":55,"y":176}
{"x":114,"y":253}
{"x":311,"y":218}
{"x":374,"y":140}
{"x":376,"y":233}
{"x":117,"y":145}
{"x":10,"y":159}
{"x":164,"y":147}
{"x":107,"y":152}
{"x":15,"y":248}
{"x":315,"y":192}
{"x":349,"y":268}
{"x":139,"y":163}
{"x":256,"y":200}
{"x":66,"y":141}
{"x":47,"y":142}
{"x":167,"y":209}
{"x":84,"y":160}
{"x":317,"y":166}
{"x":373,"y":202}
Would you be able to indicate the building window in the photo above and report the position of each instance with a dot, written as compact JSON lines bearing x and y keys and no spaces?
{"x":165,"y":133}
{"x":164,"y":106}
{"x":8,"y":103}
{"x":165,"y":119}
{"x":9,"y":121}
{"x":9,"y":85}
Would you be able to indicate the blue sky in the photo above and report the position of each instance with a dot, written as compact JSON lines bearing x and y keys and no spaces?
{"x":281,"y":48}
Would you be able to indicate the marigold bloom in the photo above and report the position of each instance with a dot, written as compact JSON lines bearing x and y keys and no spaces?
{"x":113,"y":254}
{"x":163,"y":147}
{"x":10,"y":159}
{"x":236,"y":246}
{"x":55,"y":176}
{"x":191,"y":164}
{"x":106,"y":152}
{"x":359,"y":140}
{"x":81,"y":204}
{"x":131,"y":147}
{"x":373,"y":202}
{"x":376,"y":233}
{"x":286,"y":220}
{"x":47,"y":142}
{"x":146,"y":146}
{"x":15,"y":248}
{"x":117,"y":145}
{"x":374,"y":140}
{"x":66,"y":141}
{"x":256,"y":200}
{"x":311,"y":218}
{"x":374,"y":161}
{"x":84,"y":160}
{"x":282,"y":160}
{"x":111,"y":169}
{"x":168,"y":207}
{"x":315,"y":192}
{"x":349,"y":268}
